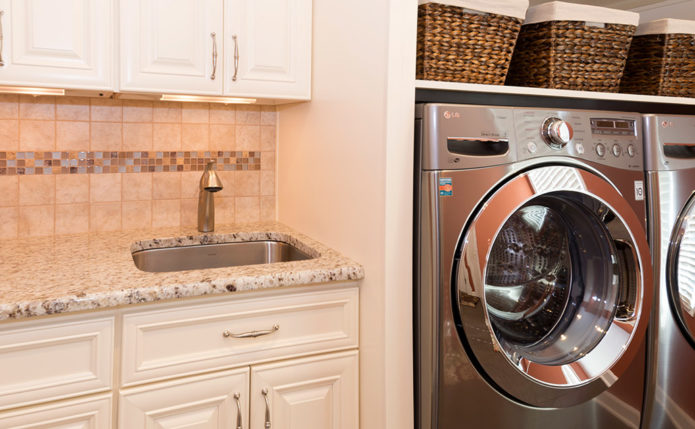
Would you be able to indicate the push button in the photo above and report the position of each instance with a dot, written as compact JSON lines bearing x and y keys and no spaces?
{"x":631,"y":150}
{"x":600,"y":150}
{"x":617,"y":150}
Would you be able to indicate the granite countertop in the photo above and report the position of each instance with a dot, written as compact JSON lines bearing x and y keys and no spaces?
{"x":48,"y":275}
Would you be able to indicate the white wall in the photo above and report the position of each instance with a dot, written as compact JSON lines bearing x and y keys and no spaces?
{"x":345,"y":178}
{"x":669,"y":9}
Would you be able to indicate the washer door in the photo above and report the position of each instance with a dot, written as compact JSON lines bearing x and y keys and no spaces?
{"x":551,"y":286}
{"x":680,"y":270}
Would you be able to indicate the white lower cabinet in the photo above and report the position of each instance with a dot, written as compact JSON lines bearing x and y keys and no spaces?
{"x":87,"y":413}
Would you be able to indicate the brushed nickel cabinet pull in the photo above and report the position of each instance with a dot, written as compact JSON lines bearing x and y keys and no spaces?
{"x":214,"y":55}
{"x":237,"y":395}
{"x":252,"y":334}
{"x":236,"y":57}
{"x":2,"y":63}
{"x":267,"y":407}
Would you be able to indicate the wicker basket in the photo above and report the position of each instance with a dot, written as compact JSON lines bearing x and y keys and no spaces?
{"x":661,"y":64}
{"x":457,"y":45}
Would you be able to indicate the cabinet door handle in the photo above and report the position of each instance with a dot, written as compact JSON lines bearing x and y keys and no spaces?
{"x":236,"y":57}
{"x":237,"y":395}
{"x":2,"y":63}
{"x":252,"y":334}
{"x":214,"y":55}
{"x":267,"y":407}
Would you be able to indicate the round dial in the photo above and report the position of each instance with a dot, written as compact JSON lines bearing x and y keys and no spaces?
{"x":556,"y":133}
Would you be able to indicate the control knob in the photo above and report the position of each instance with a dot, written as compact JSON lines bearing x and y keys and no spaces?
{"x":556,"y":133}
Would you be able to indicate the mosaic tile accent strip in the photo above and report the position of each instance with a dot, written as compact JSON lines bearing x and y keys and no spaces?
{"x":28,"y":163}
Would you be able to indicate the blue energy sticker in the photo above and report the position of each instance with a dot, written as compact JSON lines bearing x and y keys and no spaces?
{"x":445,"y":187}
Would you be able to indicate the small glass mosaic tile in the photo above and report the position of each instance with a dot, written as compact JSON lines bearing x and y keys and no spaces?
{"x":26,"y":163}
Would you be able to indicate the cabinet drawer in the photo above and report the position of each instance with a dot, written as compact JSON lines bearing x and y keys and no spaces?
{"x":182,"y":340}
{"x":87,"y":413}
{"x":47,"y":360}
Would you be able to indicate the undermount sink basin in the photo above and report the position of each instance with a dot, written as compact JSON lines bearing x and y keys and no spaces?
{"x":216,"y":256}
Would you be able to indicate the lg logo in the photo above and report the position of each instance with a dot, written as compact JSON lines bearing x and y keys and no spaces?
{"x":449,"y":115}
{"x":666,"y":124}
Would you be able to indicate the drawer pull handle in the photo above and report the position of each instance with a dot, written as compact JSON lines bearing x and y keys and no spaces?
{"x":237,"y":395}
{"x":267,"y":407}
{"x":252,"y":334}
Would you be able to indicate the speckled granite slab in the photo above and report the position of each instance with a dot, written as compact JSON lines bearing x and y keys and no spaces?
{"x":69,"y":273}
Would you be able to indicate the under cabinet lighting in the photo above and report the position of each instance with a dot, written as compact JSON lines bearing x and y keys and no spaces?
{"x":204,"y":99}
{"x":31,"y":90}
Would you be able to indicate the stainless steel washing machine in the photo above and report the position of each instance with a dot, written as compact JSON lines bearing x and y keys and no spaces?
{"x":533,"y":276}
{"x":670,"y":164}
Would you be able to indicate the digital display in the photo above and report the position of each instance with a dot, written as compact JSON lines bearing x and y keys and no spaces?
{"x":623,"y":127}
{"x":604,"y":124}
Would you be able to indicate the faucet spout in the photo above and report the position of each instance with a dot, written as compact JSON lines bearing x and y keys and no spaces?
{"x":209,"y":184}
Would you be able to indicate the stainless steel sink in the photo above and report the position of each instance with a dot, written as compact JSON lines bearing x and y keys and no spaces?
{"x":216,"y":256}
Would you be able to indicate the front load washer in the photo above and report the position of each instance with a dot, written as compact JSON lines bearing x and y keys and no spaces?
{"x":533,"y":277}
{"x":670,"y":164}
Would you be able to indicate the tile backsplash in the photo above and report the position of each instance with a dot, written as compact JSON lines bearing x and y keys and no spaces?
{"x":77,"y":164}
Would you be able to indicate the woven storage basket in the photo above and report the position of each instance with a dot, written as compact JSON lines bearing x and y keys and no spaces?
{"x":571,"y":54}
{"x":661,"y":64}
{"x":458,"y":45}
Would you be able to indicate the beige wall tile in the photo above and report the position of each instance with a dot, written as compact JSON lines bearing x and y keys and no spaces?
{"x":105,"y":217}
{"x":194,"y":137}
{"x":36,"y":135}
{"x":166,"y":137}
{"x":137,"y":215}
{"x":267,"y":182}
{"x":248,"y":137}
{"x":166,"y":186}
{"x":72,"y":108}
{"x":105,"y":187}
{"x":189,"y":212}
{"x":247,"y":209}
{"x":268,"y":161}
{"x":9,"y":106}
{"x":31,"y":107}
{"x":37,"y":190}
{"x":9,"y":134}
{"x":106,"y":136}
{"x":72,"y":135}
{"x":247,"y":183}
{"x":198,"y":113}
{"x":137,"y":137}
{"x":224,"y":211}
{"x":268,"y":115}
{"x":222,"y":114}
{"x":36,"y":221}
{"x":268,"y":209}
{"x":167,"y":112}
{"x":10,"y":218}
{"x":268,"y":137}
{"x":248,"y":115}
{"x":137,"y":186}
{"x":222,"y":137}
{"x":72,"y":188}
{"x":106,"y":110}
{"x":71,"y":218}
{"x":228,"y":182}
{"x":9,"y":191}
{"x":137,"y":111}
{"x":166,"y":213}
{"x":190,"y":183}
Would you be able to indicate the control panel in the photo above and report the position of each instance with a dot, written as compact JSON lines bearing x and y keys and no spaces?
{"x":605,"y":137}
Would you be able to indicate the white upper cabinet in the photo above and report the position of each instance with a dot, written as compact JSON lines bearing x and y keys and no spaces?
{"x":268,"y":48}
{"x":57,"y":43}
{"x":171,"y":46}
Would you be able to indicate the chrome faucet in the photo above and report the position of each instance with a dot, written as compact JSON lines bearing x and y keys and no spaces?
{"x":209,"y":184}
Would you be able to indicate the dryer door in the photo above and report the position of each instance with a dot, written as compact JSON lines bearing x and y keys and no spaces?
{"x":680,"y":270}
{"x":552,"y":286}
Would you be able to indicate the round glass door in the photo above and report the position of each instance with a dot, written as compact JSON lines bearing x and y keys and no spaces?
{"x":549,"y":286}
{"x":680,"y":274}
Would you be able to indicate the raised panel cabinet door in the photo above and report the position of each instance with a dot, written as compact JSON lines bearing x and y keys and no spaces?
{"x":171,"y":46}
{"x":93,"y":412}
{"x":268,"y":48}
{"x":57,"y":43}
{"x":313,"y":393}
{"x":217,"y":400}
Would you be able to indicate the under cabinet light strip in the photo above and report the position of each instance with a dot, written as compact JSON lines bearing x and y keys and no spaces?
{"x":31,"y":90}
{"x":206,"y":99}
